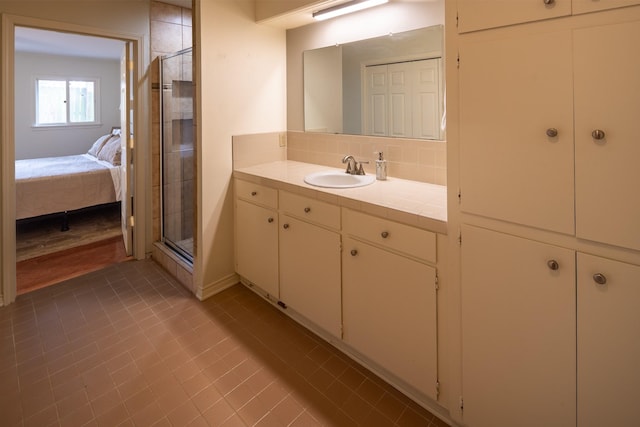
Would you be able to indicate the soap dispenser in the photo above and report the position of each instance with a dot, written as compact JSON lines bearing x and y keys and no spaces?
{"x":381,"y":167}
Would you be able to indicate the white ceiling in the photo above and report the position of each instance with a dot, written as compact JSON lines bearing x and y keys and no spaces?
{"x":59,"y":43}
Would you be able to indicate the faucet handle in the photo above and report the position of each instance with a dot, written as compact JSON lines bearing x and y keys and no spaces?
{"x":361,"y":169}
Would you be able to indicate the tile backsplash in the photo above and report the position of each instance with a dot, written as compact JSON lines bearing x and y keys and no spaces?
{"x":413,"y":159}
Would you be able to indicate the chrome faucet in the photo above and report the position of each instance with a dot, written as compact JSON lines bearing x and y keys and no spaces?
{"x":353,"y":167}
{"x":351,"y":164}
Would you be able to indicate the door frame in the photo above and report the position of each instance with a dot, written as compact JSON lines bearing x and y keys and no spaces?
{"x":138,"y":167}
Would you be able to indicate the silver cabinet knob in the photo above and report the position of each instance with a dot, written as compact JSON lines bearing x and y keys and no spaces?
{"x":254,"y":193}
{"x":598,"y":134}
{"x":549,"y":2}
{"x":285,"y":226}
{"x":553,"y":264}
{"x":552,"y":132}
{"x":307,"y":209}
{"x":354,"y":252}
{"x":384,"y":234}
{"x":270,"y":220}
{"x":600,"y":279}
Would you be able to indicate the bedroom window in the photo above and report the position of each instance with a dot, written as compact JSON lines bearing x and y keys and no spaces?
{"x":66,"y":101}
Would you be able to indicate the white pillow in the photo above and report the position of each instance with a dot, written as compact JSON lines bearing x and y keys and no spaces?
{"x":97,"y":146}
{"x":110,"y":151}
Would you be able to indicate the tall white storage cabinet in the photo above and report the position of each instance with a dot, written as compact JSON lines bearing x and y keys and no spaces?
{"x":608,"y":344}
{"x":549,"y":212}
{"x":519,"y":323}
{"x":607,"y":133}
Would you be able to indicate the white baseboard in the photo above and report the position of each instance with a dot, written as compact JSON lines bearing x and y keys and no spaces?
{"x":218,"y":286}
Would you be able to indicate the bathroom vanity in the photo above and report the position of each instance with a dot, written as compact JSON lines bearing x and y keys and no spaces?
{"x":361,"y":267}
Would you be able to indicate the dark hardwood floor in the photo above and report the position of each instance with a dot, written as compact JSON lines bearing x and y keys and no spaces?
{"x":45,"y":255}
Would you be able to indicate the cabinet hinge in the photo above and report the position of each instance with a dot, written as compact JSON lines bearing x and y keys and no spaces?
{"x":132,"y":222}
{"x":458,"y":61}
{"x":459,"y":237}
{"x":457,"y":19}
{"x":459,"y":196}
{"x":437,"y":282}
{"x":461,"y":404}
{"x":437,"y":389}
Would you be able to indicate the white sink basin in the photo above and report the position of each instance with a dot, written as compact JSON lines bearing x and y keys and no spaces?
{"x":338,"y":179}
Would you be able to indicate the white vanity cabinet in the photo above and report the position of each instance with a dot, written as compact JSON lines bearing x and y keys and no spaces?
{"x":476,"y":15}
{"x":389,"y":297}
{"x":310,"y":281}
{"x":518,"y":331}
{"x":257,"y":235}
{"x":519,"y":161}
{"x":608,"y":343}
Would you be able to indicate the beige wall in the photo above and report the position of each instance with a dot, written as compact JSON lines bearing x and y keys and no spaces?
{"x":240,"y":90}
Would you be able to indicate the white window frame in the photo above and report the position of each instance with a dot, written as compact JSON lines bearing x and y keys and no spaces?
{"x":97,"y":101}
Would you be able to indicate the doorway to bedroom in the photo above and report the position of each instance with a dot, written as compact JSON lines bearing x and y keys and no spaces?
{"x":68,"y":155}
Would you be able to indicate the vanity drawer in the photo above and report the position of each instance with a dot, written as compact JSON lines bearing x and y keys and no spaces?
{"x":256,"y":193}
{"x":400,"y":237}
{"x":310,"y":209}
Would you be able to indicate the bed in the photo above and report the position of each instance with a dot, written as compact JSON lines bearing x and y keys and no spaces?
{"x":67,"y":183}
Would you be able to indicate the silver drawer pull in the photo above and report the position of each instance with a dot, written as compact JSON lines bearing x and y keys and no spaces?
{"x":549,"y":2}
{"x":384,"y":234}
{"x":354,"y":252}
{"x":600,"y":279}
{"x":285,"y":226}
{"x":254,"y":193}
{"x":552,"y":132}
{"x":307,"y":209}
{"x":270,"y":220}
{"x":553,"y":264}
{"x":598,"y":134}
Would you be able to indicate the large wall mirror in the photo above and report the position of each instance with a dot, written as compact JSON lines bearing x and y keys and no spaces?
{"x":389,"y":86}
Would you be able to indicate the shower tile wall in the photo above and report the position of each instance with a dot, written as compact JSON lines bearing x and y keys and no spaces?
{"x":178,"y":173}
{"x":171,"y":31}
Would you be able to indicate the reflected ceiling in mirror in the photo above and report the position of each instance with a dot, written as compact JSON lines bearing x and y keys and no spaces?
{"x":389,"y":86}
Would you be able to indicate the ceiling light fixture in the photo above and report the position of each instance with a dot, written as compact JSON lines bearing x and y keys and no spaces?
{"x":344,"y":8}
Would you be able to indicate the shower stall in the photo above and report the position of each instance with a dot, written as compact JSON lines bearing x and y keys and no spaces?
{"x":177,"y":155}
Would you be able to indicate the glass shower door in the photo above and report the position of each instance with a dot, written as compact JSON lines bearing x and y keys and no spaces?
{"x":178,"y":161}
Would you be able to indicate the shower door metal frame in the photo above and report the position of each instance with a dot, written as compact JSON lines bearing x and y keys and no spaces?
{"x":188,"y":257}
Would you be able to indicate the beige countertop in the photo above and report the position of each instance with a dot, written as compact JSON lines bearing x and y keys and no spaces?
{"x":414,"y":203}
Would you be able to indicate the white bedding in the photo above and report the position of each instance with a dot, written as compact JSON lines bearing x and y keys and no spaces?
{"x":59,"y":184}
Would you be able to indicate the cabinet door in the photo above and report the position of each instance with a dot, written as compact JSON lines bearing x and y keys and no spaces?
{"x":389,"y":311}
{"x":257,"y":245}
{"x":310,"y":272}
{"x":479,"y":14}
{"x":518,"y":331}
{"x":607,"y":98}
{"x":512,"y":92}
{"x":608,"y":342}
{"x":585,"y":6}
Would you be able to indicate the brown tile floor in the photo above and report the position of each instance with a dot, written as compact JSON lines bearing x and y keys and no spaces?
{"x":128,"y":346}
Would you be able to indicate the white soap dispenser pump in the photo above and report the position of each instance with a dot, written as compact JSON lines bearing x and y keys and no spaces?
{"x":381,"y":167}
